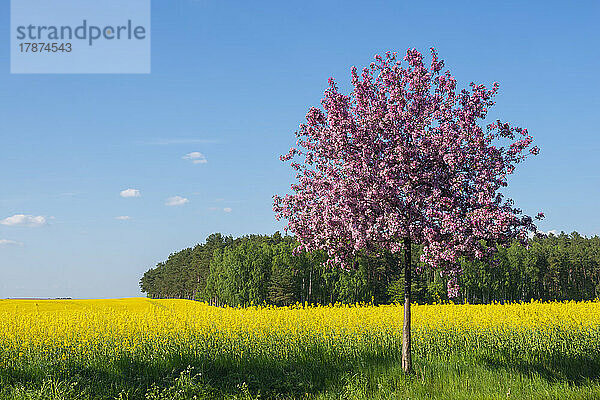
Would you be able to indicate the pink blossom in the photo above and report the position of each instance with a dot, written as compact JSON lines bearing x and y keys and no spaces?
{"x":403,"y":156}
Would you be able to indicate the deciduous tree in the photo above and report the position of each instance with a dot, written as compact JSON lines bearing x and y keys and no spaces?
{"x":402,"y":159}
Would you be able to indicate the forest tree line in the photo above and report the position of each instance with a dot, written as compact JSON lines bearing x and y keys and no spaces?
{"x":262,"y":269}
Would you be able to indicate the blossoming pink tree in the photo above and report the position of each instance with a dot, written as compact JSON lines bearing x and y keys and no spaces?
{"x":402,"y":160}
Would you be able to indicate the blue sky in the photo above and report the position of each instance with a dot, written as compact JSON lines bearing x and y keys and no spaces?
{"x":232,"y":81}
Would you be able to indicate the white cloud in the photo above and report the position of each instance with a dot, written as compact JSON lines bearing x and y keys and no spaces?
{"x":24,"y":220}
{"x":130,"y":193}
{"x":196,"y":157}
{"x":552,"y":231}
{"x":226,"y":209}
{"x":176,"y":201}
{"x":7,"y":242}
{"x":123,"y":217}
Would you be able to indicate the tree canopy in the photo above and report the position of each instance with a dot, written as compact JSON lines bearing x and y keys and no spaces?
{"x":403,"y":158}
{"x":553,"y":267}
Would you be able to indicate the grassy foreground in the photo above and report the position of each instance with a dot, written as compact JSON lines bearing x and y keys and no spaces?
{"x":177,"y":349}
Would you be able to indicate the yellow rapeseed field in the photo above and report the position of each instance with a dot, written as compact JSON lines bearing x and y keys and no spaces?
{"x":178,"y":349}
{"x":77,"y":327}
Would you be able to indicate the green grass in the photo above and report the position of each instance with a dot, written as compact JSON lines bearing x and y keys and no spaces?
{"x":447,"y":367}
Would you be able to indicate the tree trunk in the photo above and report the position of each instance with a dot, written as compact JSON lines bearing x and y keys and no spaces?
{"x":309,"y":285}
{"x":406,"y":356}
